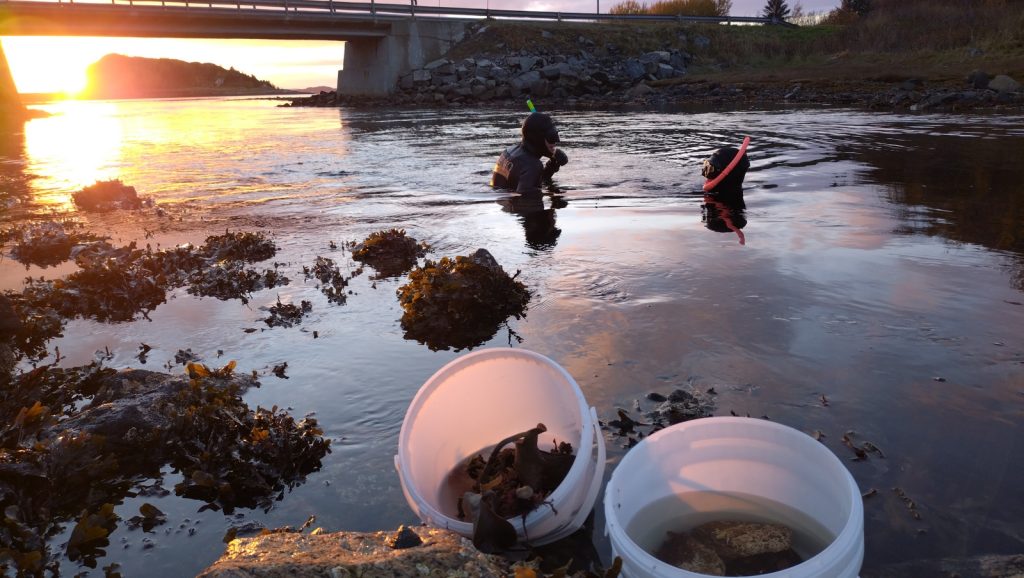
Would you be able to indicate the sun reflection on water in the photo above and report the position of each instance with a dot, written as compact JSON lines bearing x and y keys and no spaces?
{"x":85,"y":147}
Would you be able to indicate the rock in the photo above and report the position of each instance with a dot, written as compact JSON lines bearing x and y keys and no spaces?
{"x":911,"y":84}
{"x":634,"y":69}
{"x":403,"y":538}
{"x":525,"y":81}
{"x":978,"y":79}
{"x":1003,"y":83}
{"x":657,"y":57}
{"x":665,"y":71}
{"x":351,"y":554}
{"x":683,"y":551}
{"x":741,"y":539}
{"x":701,"y":42}
{"x":435,"y":64}
{"x":641,"y":89}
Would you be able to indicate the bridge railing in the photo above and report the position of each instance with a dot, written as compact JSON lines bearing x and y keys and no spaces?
{"x":391,"y":10}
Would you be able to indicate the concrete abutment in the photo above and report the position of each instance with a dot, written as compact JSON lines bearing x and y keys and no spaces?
{"x":372,"y":65}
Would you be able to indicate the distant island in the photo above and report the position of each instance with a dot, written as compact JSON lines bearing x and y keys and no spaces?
{"x":117,"y":76}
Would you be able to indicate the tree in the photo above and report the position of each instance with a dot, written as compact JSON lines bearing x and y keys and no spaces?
{"x":776,"y":10}
{"x":861,"y":7}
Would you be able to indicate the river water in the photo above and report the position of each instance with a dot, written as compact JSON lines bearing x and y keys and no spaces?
{"x":879,"y":288}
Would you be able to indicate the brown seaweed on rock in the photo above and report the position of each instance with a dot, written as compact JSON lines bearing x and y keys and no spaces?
{"x":75,"y":442}
{"x":45,"y":244}
{"x":107,"y":196}
{"x":459,"y":302}
{"x":391,"y":253}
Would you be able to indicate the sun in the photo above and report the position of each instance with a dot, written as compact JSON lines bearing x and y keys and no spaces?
{"x":48,"y":65}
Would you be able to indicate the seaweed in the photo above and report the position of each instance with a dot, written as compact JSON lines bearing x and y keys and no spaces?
{"x":510,"y":483}
{"x":245,"y":246}
{"x":75,"y":442}
{"x":332,"y":282}
{"x":287,"y":314}
{"x":45,"y":244}
{"x":107,"y":196}
{"x":390,"y":252}
{"x":459,"y":302}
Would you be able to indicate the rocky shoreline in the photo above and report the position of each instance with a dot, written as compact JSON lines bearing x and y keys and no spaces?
{"x":570,"y":69}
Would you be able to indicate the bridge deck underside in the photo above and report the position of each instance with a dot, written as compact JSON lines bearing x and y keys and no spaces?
{"x":174,"y":22}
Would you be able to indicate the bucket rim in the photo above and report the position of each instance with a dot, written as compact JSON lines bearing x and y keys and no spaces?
{"x":433,"y":516}
{"x":841,"y":542}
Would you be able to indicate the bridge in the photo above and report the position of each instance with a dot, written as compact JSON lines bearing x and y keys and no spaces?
{"x":382,"y":40}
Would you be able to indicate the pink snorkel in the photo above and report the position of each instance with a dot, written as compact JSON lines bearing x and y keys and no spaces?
{"x":711,"y":184}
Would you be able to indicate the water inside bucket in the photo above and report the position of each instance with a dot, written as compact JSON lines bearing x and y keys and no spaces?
{"x":686,"y":511}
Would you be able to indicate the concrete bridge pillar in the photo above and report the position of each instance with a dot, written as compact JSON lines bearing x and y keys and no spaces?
{"x":372,"y":65}
{"x":11,"y":107}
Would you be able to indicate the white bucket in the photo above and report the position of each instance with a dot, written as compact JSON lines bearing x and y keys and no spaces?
{"x":480,"y":398}
{"x":745,"y":456}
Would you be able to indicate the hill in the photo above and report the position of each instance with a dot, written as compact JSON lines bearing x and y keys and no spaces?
{"x":117,"y":76}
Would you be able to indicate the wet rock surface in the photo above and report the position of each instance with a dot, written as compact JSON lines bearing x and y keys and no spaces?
{"x":351,"y":554}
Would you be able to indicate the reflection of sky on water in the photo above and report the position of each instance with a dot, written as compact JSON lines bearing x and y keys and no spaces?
{"x":860,"y":280}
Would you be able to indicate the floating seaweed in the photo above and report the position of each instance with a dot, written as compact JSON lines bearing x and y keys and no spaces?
{"x":229,"y":280}
{"x":391,"y":252}
{"x":332,"y":282}
{"x":107,"y":196}
{"x":233,"y":246}
{"x":460,"y":302}
{"x":287,"y":314}
{"x":679,"y":406}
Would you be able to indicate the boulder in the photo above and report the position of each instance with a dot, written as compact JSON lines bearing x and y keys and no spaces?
{"x":525,"y":81}
{"x":658,"y":56}
{"x":665,"y":71}
{"x":634,"y":69}
{"x":421,"y":76}
{"x":640,"y":90}
{"x":978,"y":79}
{"x":1003,"y":83}
{"x":434,"y":65}
{"x":351,"y":554}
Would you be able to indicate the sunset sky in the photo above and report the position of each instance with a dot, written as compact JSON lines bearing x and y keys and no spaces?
{"x":48,"y":64}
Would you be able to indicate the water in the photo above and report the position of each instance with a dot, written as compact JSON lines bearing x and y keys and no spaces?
{"x":882,"y":251}
{"x":684,"y":512}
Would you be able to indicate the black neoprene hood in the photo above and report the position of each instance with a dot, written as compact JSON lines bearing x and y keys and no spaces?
{"x":537,"y":128}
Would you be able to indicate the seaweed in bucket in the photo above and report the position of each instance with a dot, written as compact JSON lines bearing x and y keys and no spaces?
{"x":510,"y":482}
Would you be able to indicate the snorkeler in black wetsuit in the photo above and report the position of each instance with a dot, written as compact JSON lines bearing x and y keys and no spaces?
{"x":519,"y":167}
{"x":724,"y":206}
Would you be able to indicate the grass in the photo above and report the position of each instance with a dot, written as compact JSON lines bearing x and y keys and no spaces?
{"x":934,"y":40}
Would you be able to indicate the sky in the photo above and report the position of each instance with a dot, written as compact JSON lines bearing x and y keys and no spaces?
{"x":48,"y":64}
